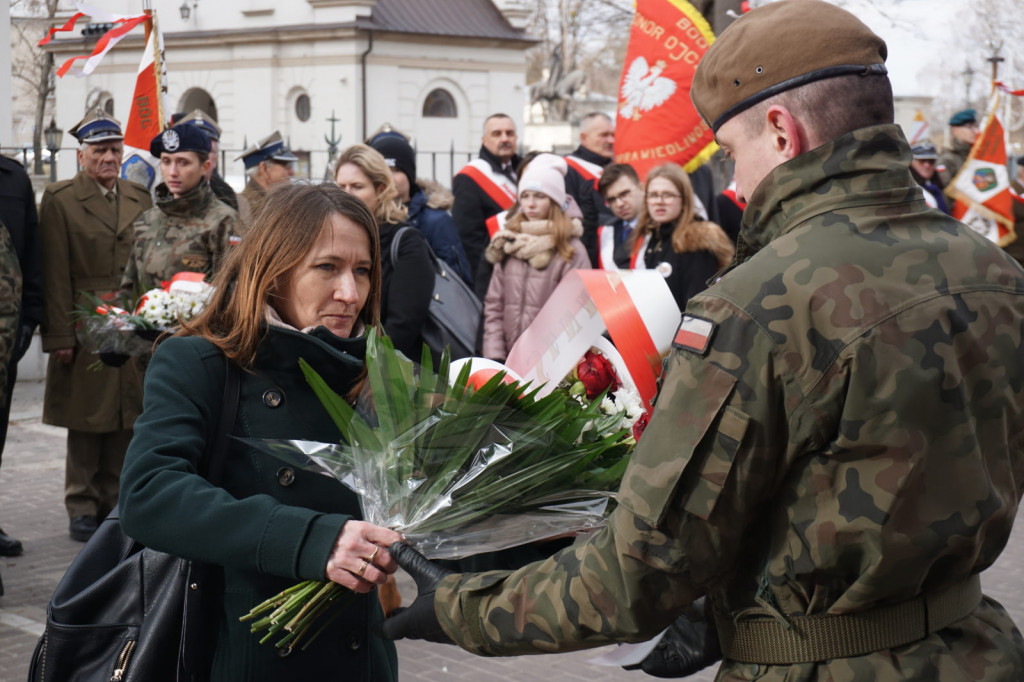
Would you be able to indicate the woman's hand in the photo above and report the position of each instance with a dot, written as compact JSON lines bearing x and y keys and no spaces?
{"x":360,"y":559}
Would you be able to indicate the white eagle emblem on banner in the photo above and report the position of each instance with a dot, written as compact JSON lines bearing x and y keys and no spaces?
{"x":644,"y":88}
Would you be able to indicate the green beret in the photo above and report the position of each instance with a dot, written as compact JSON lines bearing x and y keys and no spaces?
{"x":965,"y":117}
{"x":778,"y":47}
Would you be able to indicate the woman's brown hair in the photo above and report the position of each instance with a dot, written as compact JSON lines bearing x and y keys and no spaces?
{"x":646,"y":225}
{"x":292,"y":220}
{"x":375,"y":167}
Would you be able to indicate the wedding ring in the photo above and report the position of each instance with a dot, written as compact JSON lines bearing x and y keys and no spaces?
{"x":362,"y":569}
{"x":374,"y":555}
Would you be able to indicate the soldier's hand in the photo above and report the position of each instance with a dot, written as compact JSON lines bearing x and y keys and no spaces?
{"x":64,"y":356}
{"x":25,"y":332}
{"x":418,"y":621}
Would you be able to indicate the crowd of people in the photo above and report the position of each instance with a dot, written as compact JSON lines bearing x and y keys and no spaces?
{"x":795,"y":460}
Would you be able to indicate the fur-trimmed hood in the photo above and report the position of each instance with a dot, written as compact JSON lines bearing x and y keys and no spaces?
{"x":438,"y":196}
{"x":707,"y":236}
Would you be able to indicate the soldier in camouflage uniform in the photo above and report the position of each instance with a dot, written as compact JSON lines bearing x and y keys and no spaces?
{"x":10,"y":308}
{"x":840,"y":430}
{"x":189,"y":229}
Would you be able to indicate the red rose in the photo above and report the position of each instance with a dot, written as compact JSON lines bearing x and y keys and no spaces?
{"x":640,"y":424}
{"x":597,"y":374}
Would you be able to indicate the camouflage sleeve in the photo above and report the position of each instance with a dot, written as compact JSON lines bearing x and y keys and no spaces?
{"x":704,"y":465}
{"x":10,"y":306}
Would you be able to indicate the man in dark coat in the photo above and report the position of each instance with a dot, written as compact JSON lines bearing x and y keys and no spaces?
{"x":597,"y":144}
{"x":486,"y":185}
{"x":18,"y":215}
{"x":86,"y":227}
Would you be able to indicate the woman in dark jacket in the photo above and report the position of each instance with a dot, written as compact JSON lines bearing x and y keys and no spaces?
{"x":685,"y":248}
{"x":408,"y":284}
{"x":304,"y":284}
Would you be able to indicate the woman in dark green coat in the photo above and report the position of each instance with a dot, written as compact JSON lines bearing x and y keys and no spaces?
{"x":304,"y":284}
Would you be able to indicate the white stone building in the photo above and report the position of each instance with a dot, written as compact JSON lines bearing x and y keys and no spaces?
{"x":434,"y":69}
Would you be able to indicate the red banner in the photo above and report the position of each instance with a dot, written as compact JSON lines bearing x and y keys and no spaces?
{"x":656,"y":121}
{"x":981,"y":189}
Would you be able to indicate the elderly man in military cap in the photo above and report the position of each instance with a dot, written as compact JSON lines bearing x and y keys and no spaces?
{"x":963,"y":131}
{"x":205,"y":122}
{"x":269,"y":162}
{"x":189,"y":229}
{"x":922,"y":167}
{"x":86,"y":231}
{"x":835,"y":454}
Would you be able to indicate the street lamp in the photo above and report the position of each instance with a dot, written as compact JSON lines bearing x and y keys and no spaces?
{"x":332,"y":144}
{"x":968,"y":76}
{"x":186,"y":11}
{"x":53,"y":136}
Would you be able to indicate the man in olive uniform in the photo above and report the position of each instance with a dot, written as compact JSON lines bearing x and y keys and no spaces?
{"x":86,"y":228}
{"x":963,"y":131}
{"x":836,"y":452}
{"x":205,"y":122}
{"x":268,"y":163}
{"x":189,"y":229}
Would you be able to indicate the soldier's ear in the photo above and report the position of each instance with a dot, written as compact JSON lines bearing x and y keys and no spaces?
{"x":789,"y":137}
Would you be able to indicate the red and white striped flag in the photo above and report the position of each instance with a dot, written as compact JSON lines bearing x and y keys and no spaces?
{"x":146,"y":117}
{"x":123,"y":25}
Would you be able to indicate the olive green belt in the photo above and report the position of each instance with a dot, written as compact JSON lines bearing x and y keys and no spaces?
{"x":822,"y":637}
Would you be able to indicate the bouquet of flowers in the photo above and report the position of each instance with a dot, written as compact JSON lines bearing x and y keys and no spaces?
{"x":459,"y":468}
{"x":117,"y":334}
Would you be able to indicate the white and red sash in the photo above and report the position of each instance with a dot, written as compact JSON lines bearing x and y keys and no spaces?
{"x":496,"y":222}
{"x":499,"y":188}
{"x":636,"y":259}
{"x":730,"y":193}
{"x":591,"y":172}
{"x":606,"y":248}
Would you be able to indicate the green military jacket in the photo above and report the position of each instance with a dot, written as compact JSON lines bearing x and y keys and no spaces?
{"x":10,"y":306}
{"x":250,"y":204}
{"x":851,"y":436}
{"x":188,"y":233}
{"x":951,"y":160}
{"x":85,"y":241}
{"x":270,"y":523}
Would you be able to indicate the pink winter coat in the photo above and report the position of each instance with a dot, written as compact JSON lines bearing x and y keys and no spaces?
{"x":517,"y":293}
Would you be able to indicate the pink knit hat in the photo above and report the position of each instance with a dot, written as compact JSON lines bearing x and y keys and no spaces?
{"x":546,"y":174}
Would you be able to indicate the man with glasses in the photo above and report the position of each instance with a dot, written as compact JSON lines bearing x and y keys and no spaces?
{"x":267,"y":163}
{"x":922,"y":167}
{"x":964,"y":130}
{"x":620,"y":187}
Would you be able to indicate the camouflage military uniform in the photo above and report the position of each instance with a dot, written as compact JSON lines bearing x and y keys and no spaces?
{"x":851,"y":437}
{"x":188,"y":233}
{"x":10,"y":306}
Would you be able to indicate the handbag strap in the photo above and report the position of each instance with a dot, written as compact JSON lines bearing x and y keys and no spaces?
{"x":217,"y":456}
{"x":394,"y":244}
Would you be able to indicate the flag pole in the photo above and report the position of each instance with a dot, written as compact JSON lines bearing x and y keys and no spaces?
{"x":158,"y":65}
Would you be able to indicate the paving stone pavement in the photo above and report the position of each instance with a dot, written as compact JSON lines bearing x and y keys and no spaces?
{"x":31,"y":509}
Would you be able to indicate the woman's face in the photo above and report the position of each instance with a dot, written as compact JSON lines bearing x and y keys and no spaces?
{"x":664,"y":202}
{"x":353,"y":180}
{"x":535,"y":205}
{"x":330,"y":286}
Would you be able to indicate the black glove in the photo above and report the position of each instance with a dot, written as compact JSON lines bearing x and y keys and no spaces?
{"x":25,"y":332}
{"x":418,"y":621}
{"x":690,"y":645}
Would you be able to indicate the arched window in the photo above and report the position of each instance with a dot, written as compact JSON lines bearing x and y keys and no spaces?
{"x":197,"y":98}
{"x":302,"y":107}
{"x":440,"y":104}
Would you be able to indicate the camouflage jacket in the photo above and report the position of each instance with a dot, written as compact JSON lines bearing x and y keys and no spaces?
{"x":191,"y":232}
{"x":10,"y":306}
{"x":951,"y":160}
{"x":851,"y":436}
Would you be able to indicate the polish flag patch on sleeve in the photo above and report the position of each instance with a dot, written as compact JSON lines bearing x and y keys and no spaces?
{"x":694,"y":334}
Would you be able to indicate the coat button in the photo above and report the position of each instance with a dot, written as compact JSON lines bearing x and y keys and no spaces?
{"x":354,"y":643}
{"x":272,"y":398}
{"x":285,"y":476}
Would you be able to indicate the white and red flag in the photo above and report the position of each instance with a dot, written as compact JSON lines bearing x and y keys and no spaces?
{"x":656,"y":121}
{"x":146,"y":113}
{"x":981,"y":190}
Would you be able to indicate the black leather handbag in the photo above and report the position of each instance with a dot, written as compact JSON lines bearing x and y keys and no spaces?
{"x":127,"y":613}
{"x":455,"y":312}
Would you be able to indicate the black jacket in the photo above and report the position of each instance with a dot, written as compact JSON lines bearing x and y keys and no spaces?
{"x":473,"y":207}
{"x":595,"y":210}
{"x":223,"y":191}
{"x":686,"y":273}
{"x":18,"y":213}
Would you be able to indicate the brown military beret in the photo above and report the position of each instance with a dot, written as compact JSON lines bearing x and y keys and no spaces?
{"x":778,"y":47}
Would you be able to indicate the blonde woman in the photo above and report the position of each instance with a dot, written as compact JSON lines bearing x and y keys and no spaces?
{"x":409,"y":282}
{"x":671,"y":238}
